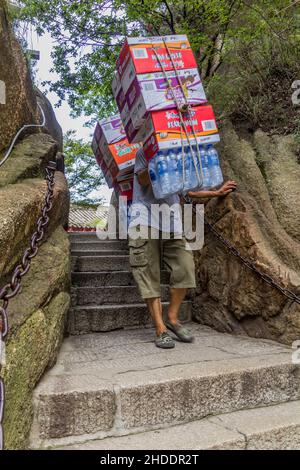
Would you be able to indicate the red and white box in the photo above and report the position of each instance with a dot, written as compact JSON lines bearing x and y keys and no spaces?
{"x":166,"y":129}
{"x":143,"y":55}
{"x":156,"y":91}
{"x":124,"y":187}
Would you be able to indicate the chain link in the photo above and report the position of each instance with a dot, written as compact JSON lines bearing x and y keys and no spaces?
{"x":11,"y":289}
{"x":248,"y":263}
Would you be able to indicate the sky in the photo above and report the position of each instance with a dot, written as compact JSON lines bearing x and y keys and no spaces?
{"x":44,"y":45}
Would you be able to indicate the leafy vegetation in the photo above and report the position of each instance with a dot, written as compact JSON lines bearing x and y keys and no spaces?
{"x":83,"y":174}
{"x":237,"y":43}
{"x":248,"y":51}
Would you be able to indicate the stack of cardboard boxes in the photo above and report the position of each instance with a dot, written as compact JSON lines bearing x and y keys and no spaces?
{"x":154,"y":77}
{"x":115,"y":155}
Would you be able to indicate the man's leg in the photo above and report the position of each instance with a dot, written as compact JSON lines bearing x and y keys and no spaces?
{"x":155,"y":308}
{"x":179,"y":261}
{"x":145,"y":264}
{"x":177,"y":297}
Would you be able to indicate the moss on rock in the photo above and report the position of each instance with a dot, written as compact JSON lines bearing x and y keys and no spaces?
{"x":37,"y":319}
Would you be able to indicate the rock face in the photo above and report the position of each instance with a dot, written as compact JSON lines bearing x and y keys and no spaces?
{"x":37,"y":318}
{"x":18,"y":105}
{"x":51,"y":126}
{"x":37,"y":314}
{"x":262,"y":221}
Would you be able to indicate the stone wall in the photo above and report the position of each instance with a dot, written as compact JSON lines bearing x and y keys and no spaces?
{"x":37,"y":314}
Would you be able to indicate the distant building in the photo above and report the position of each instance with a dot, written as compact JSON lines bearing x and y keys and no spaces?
{"x":87,"y":218}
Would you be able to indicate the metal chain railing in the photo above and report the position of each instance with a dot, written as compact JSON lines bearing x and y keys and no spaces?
{"x":11,"y":289}
{"x":248,"y":263}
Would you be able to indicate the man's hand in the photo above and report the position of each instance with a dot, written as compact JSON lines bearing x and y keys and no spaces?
{"x":226,"y":188}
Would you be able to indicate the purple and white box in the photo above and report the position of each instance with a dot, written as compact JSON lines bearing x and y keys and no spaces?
{"x":119,"y":95}
{"x":152,"y":92}
{"x":138,"y":135}
{"x":112,"y":131}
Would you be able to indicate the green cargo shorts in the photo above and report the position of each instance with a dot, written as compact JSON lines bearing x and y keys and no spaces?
{"x":146,"y":262}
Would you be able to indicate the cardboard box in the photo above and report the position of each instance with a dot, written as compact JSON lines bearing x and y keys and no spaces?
{"x":95,"y":145}
{"x":120,"y":97}
{"x":98,"y":132}
{"x":166,"y":129}
{"x":109,"y":179}
{"x":138,"y":135}
{"x":139,"y":54}
{"x":99,"y":159}
{"x":125,"y":188}
{"x":116,"y":84}
{"x":151,"y":92}
{"x":122,"y":154}
{"x":111,"y":131}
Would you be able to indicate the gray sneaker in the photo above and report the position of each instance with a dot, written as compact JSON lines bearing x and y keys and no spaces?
{"x":165,"y":341}
{"x":184,"y":335}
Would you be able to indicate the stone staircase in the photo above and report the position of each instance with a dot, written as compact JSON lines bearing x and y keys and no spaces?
{"x":111,"y":388}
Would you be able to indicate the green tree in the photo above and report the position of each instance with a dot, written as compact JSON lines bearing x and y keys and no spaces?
{"x":88,"y":35}
{"x":82,"y":171}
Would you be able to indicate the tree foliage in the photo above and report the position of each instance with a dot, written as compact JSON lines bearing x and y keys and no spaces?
{"x":88,"y":35}
{"x":83,"y":174}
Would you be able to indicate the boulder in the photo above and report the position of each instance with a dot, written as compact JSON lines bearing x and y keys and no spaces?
{"x":230,"y":297}
{"x":37,"y":319}
{"x":37,"y":314}
{"x":52,"y":126}
{"x":18,"y":105}
{"x":20,"y":207}
{"x":28,"y":159}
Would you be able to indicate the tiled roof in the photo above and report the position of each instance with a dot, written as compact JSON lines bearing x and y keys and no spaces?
{"x":85,"y":216}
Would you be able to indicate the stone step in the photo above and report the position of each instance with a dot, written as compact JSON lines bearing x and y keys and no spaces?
{"x":109,"y":278}
{"x":99,"y":245}
{"x":111,"y":384}
{"x":100,"y":263}
{"x":275,"y":427}
{"x":97,"y":252}
{"x":89,"y":319}
{"x":110,"y":295}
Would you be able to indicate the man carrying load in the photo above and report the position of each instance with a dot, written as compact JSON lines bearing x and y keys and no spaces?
{"x":152,"y":238}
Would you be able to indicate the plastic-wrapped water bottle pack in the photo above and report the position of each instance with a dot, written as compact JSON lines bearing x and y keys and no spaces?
{"x":171,"y":172}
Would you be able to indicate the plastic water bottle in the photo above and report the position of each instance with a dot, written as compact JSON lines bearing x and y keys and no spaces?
{"x":205,"y":167}
{"x":197,"y":179}
{"x":163,"y":173}
{"x":152,"y":168}
{"x":190,"y":172}
{"x":174,"y":169}
{"x":214,"y":167}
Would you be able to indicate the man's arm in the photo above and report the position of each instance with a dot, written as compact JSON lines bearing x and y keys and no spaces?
{"x":225,"y":189}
